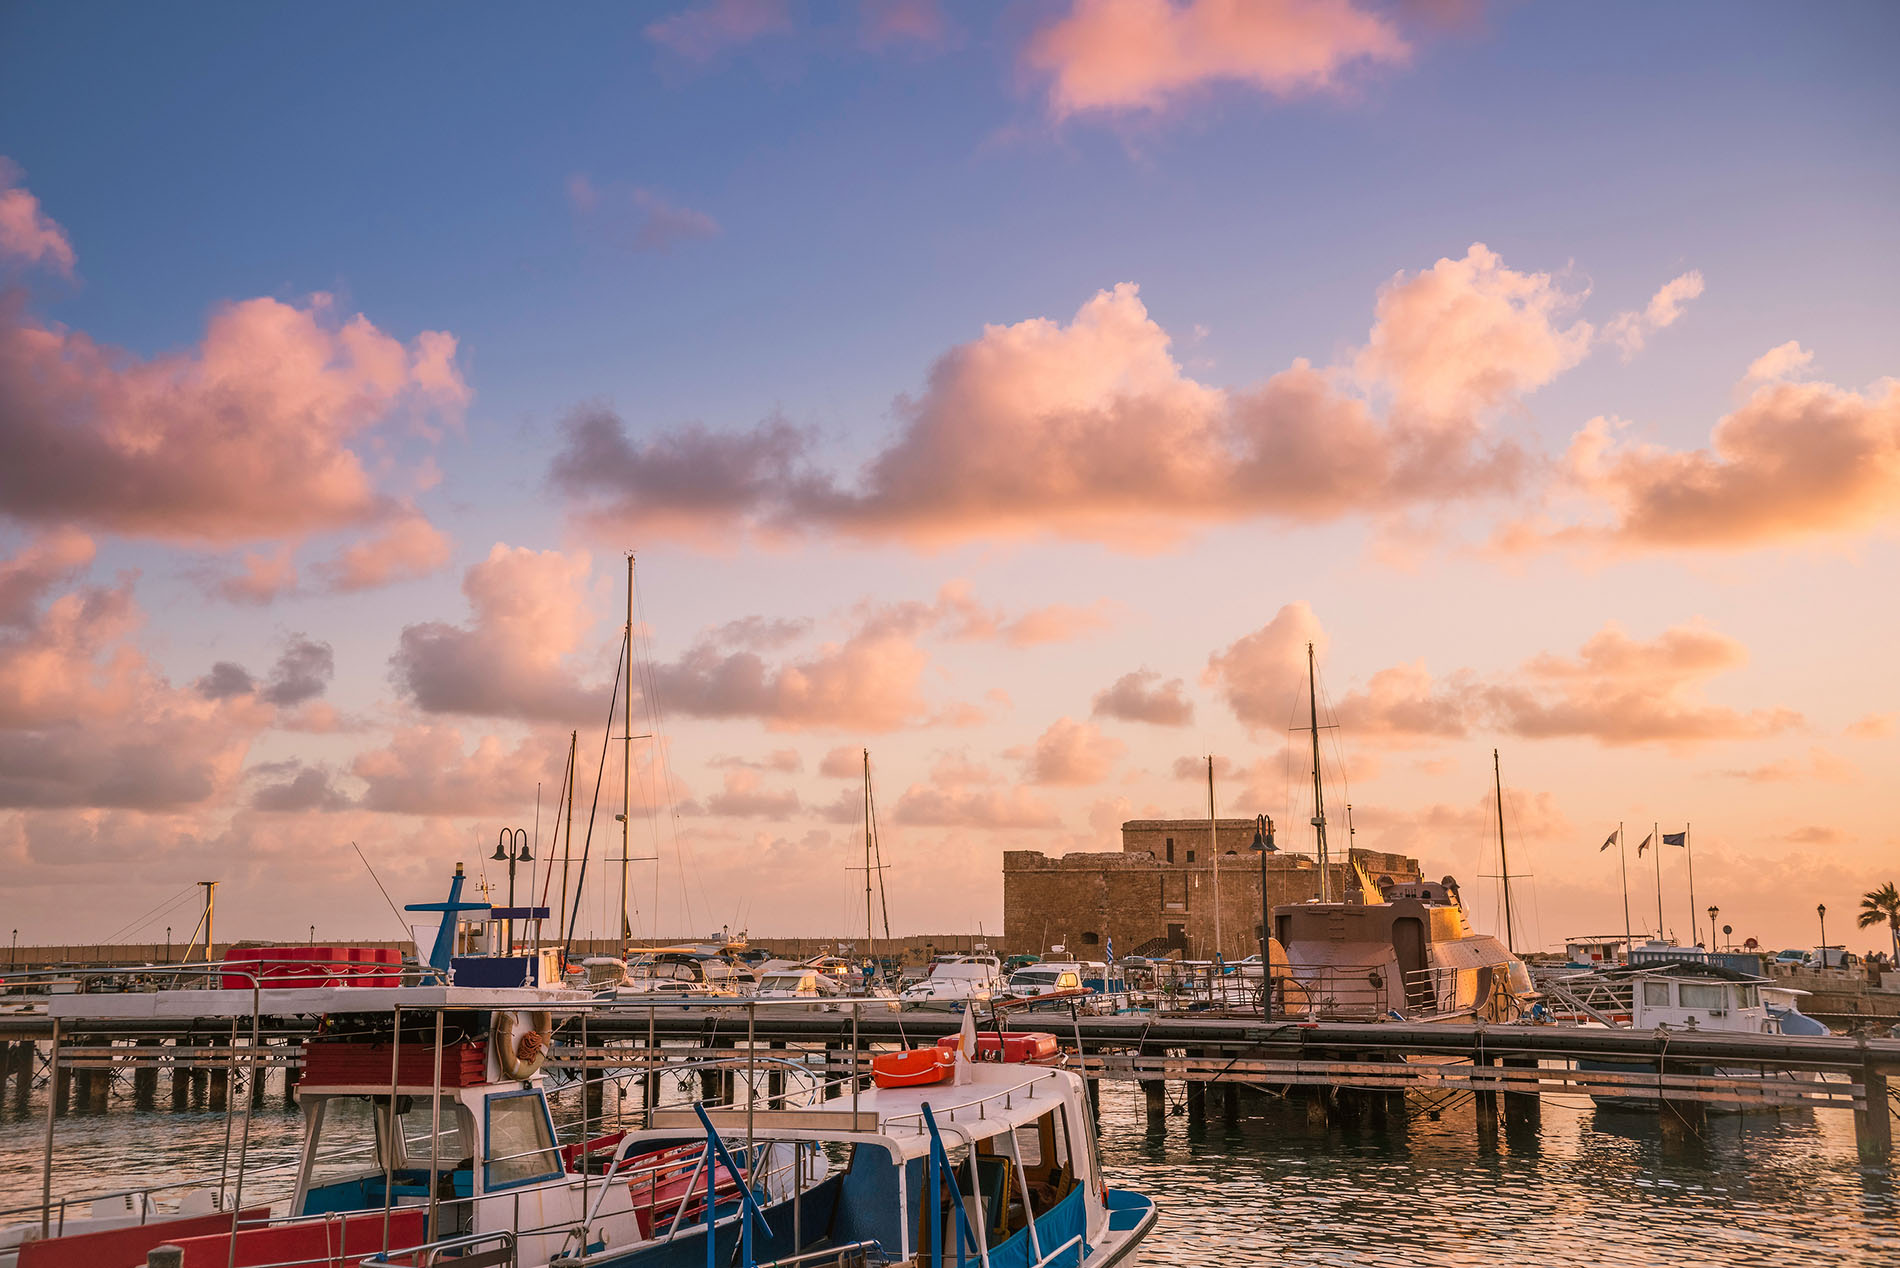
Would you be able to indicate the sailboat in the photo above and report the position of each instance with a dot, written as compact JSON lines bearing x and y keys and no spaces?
{"x":1404,"y":951}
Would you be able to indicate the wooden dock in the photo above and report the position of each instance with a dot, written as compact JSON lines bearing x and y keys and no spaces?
{"x":1336,"y":1069}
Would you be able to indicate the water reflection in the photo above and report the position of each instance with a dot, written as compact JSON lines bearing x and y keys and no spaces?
{"x":1582,"y":1189}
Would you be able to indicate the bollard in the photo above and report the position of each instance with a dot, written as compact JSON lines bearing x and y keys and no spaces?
{"x":165,"y":1257}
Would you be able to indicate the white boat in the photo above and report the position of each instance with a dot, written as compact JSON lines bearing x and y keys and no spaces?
{"x":955,"y":982}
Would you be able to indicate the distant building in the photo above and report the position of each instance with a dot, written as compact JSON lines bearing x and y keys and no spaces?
{"x":1157,"y":893}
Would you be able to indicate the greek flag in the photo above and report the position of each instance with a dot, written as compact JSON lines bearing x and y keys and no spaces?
{"x":1111,"y":948}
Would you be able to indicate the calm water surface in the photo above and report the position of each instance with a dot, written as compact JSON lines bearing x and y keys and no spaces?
{"x":1584,"y":1190}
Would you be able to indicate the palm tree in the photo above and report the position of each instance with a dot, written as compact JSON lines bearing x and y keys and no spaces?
{"x":1882,"y":906}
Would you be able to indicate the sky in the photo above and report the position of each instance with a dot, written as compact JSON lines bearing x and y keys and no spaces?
{"x":1010,"y":390}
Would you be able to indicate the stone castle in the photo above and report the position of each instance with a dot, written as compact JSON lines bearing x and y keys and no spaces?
{"x":1157,"y":894}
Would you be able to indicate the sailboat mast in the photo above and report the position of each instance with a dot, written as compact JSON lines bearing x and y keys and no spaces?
{"x":870,"y":934}
{"x":1319,"y":792}
{"x":1623,"y":857}
{"x":567,"y":842}
{"x":1504,"y":860}
{"x":1655,"y":847}
{"x":1695,"y":920}
{"x":1213,"y":845}
{"x":626,"y":766}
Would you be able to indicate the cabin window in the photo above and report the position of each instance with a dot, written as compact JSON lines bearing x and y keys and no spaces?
{"x":1750,"y":996}
{"x":520,"y":1141}
{"x":452,"y":1147}
{"x":1170,"y":849}
{"x":1656,"y":994}
{"x":1703,"y":995}
{"x":345,"y":1135}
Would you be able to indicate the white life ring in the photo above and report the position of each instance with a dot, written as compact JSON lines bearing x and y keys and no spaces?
{"x":521,"y":1058}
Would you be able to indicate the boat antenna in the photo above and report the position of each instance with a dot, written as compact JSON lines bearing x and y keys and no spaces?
{"x":401,"y":923}
{"x":1319,"y":791}
{"x":1504,"y":860}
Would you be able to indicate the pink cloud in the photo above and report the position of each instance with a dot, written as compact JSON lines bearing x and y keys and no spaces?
{"x":1141,"y":696}
{"x":705,"y":29}
{"x":261,"y":576}
{"x":404,"y":549}
{"x":430,"y":770}
{"x":785,"y":761}
{"x":1092,"y":430}
{"x":1798,"y":460}
{"x":529,"y":615}
{"x":1616,"y":691}
{"x":245,"y":436}
{"x":745,"y":796}
{"x":842,"y":762}
{"x":1147,"y":54}
{"x":1816,"y":764}
{"x":44,"y":562}
{"x":1070,"y":752}
{"x":871,"y":681}
{"x":28,"y":234}
{"x":925,"y":805}
{"x":1629,"y":331}
{"x":1872,"y":726}
{"x":1783,"y":361}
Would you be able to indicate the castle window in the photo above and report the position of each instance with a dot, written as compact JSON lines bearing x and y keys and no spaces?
{"x":1190,"y":856}
{"x":1091,"y":939}
{"x":1170,"y":849}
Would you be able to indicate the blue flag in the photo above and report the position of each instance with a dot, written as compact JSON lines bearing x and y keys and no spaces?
{"x":1111,"y":948}
{"x":1676,"y":838}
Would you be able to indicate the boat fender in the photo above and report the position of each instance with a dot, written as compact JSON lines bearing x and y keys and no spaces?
{"x":521,"y":1058}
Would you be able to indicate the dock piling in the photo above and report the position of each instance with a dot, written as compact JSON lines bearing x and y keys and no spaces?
{"x":1873,"y":1122}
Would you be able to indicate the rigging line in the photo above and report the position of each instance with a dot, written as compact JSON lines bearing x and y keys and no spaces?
{"x":407,"y":935}
{"x":656,"y":724}
{"x":580,"y":884}
{"x":164,"y":906}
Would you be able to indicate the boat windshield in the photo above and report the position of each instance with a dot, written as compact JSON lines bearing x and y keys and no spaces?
{"x":1034,"y":977}
{"x":789,"y":982}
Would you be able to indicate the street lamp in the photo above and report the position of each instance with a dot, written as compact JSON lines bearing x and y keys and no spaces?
{"x":1263,"y":843}
{"x":168,"y":944}
{"x":1820,"y":909}
{"x":518,"y":838}
{"x":1713,"y":944}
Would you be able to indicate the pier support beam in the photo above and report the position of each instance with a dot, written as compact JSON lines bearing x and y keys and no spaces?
{"x":1522,"y":1109}
{"x":1155,"y":1093}
{"x":145,"y":1076}
{"x":293,"y":1075}
{"x":1485,"y":1103}
{"x":62,"y":1089}
{"x":775,"y":1076}
{"x":1318,"y":1108}
{"x":1230,"y":1102}
{"x":219,"y":1081}
{"x":593,"y":1097}
{"x":1873,"y":1124}
{"x":1196,"y":1097}
{"x":82,"y":1090}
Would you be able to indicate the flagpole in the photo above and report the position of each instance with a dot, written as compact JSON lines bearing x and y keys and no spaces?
{"x":1689,"y":852}
{"x":1622,"y":857}
{"x":1655,"y":844}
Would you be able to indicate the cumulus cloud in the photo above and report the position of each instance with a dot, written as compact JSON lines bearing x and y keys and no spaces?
{"x":430,"y":770}
{"x":528,"y":615}
{"x":1872,"y":726}
{"x":302,"y":672}
{"x":308,"y":788}
{"x":1629,"y":331}
{"x":841,"y":762}
{"x":260,"y":577}
{"x":871,"y":681}
{"x":406,"y":548}
{"x":1092,"y":430}
{"x":783,"y":760}
{"x":1617,"y":690}
{"x":1797,"y":460}
{"x":1141,"y":696}
{"x":85,"y":720}
{"x":1783,"y":361}
{"x":1124,"y":55}
{"x":745,"y":796}
{"x":224,"y":680}
{"x":1816,"y":764}
{"x":703,"y":30}
{"x":1070,"y":752}
{"x":245,"y":436}
{"x":28,"y":234}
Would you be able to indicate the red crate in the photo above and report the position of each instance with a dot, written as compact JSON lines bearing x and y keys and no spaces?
{"x":335,"y":1062}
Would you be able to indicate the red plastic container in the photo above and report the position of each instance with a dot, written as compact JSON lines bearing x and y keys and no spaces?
{"x":913,"y":1068}
{"x":1024,"y":1047}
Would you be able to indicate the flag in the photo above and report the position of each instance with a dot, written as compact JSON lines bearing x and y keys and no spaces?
{"x":1111,"y":948}
{"x":966,"y":1048}
{"x":1607,"y":843}
{"x":1676,"y":838}
{"x":1643,"y":846}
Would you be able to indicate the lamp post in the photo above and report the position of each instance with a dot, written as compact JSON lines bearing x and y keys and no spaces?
{"x":168,"y":944}
{"x":518,"y":839}
{"x":13,"y":951}
{"x":1713,"y":944}
{"x":313,"y":935}
{"x":1820,"y":909}
{"x":1263,"y":842}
